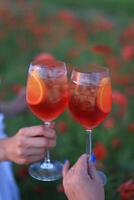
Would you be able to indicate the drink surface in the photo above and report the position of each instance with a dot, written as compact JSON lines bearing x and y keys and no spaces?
{"x":90,"y":104}
{"x":46,"y":97}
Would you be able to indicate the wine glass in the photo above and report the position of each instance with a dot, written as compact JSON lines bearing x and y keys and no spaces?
{"x":47,"y":97}
{"x":90,"y":100}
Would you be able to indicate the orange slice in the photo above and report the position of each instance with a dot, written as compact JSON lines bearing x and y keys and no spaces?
{"x":36,"y":90}
{"x":104,"y":81}
{"x":104,"y":95}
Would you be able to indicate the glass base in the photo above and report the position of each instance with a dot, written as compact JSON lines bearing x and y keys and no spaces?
{"x":46,"y":171}
{"x":102,"y":176}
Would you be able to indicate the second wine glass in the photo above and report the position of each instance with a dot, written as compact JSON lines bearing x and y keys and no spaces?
{"x":90,"y":100}
{"x":47,"y":97}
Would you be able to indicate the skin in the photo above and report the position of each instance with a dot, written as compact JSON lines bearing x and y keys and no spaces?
{"x":14,"y":107}
{"x":81,"y":181}
{"x":28,"y":145}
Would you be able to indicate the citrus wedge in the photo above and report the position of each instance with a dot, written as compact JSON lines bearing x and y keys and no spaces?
{"x":104,"y":81}
{"x":104,"y":95}
{"x":36,"y":89}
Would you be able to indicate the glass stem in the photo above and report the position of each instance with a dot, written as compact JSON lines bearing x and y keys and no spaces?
{"x":89,"y":144}
{"x":47,"y":156}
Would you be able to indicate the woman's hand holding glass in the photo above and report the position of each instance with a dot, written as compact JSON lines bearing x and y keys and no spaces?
{"x":27,"y":145}
{"x":81,"y":181}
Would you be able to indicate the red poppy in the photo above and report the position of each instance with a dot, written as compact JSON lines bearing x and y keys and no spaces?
{"x":17,"y":88}
{"x":39,"y":189}
{"x":109,"y":123}
{"x":30,"y":19}
{"x":73,"y":52}
{"x":128,"y":52}
{"x":38,"y":30}
{"x":100,"y":151}
{"x":81,"y":37}
{"x":127,"y":190}
{"x":101,"y":24}
{"x":101,"y":48}
{"x":116,"y":142}
{"x":61,"y":126}
{"x":22,"y":173}
{"x":131,"y":127}
{"x":44,"y":57}
{"x":66,"y":16}
{"x":60,"y":188}
{"x":122,"y":79}
{"x":112,"y":62}
{"x":122,"y":102}
{"x":127,"y":35}
{"x":119,"y":98}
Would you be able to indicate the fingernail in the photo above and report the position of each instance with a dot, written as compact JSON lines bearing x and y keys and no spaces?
{"x":65,"y":161}
{"x":93,"y":158}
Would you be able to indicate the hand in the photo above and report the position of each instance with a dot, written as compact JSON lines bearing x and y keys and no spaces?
{"x":81,"y":181}
{"x":28,"y":145}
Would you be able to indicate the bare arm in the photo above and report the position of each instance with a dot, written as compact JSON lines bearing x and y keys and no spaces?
{"x":14,"y":107}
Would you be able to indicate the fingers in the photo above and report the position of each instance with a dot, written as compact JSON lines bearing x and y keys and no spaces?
{"x":92,"y":170}
{"x":85,"y":168}
{"x":65,"y":168}
{"x":81,"y":165}
{"x":34,"y":158}
{"x":49,"y":133}
{"x":35,"y":131}
{"x":34,"y":152}
{"x":40,"y":142}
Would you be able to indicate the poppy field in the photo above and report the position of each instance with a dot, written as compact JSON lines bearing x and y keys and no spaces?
{"x":78,"y":35}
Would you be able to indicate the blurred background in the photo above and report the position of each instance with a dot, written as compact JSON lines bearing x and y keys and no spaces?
{"x":77,"y":32}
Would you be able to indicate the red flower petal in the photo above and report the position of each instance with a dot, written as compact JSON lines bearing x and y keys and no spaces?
{"x":120,"y":98}
{"x":100,"y":151}
{"x":104,"y":49}
{"x":116,"y":142}
{"x":109,"y":123}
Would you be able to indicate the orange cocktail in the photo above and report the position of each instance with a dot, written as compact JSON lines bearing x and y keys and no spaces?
{"x":90,"y":104}
{"x":47,"y":97}
{"x":90,"y":100}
